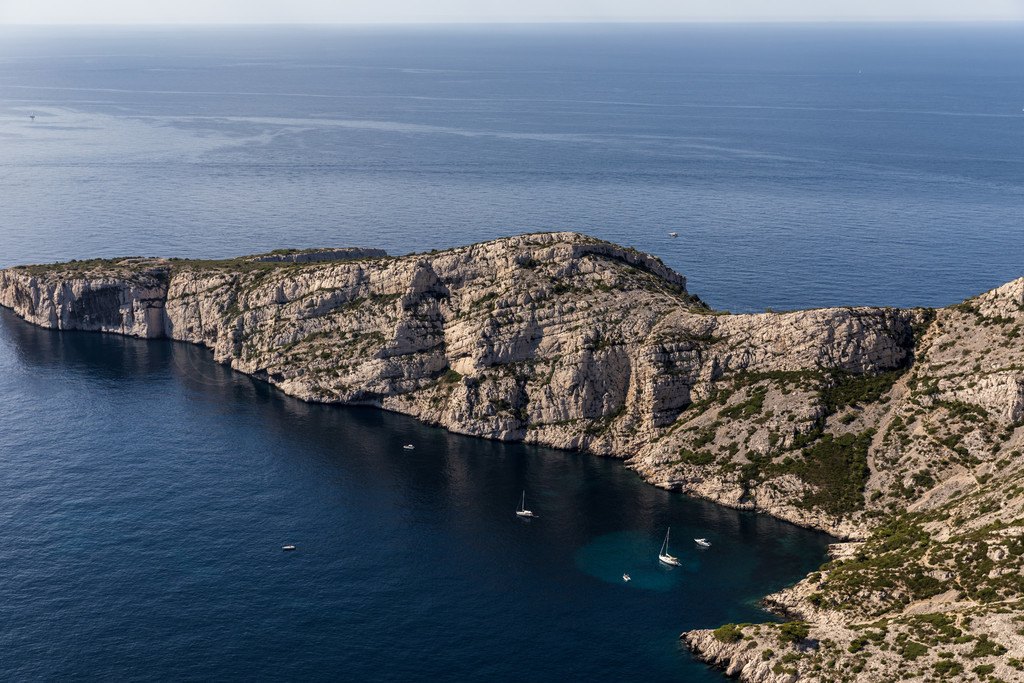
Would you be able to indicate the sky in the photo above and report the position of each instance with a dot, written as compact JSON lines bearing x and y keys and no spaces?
{"x":421,"y":11}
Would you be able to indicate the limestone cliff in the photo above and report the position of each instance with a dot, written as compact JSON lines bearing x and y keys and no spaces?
{"x":554,"y":339}
{"x":127,"y":300}
{"x":896,"y":428}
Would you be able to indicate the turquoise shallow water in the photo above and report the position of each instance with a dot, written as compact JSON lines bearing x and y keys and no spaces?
{"x":612,"y":556}
{"x":147,"y":492}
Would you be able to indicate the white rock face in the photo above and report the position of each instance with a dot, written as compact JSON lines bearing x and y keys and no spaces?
{"x":555,"y":339}
{"x":133,"y":307}
{"x":1001,"y":395}
{"x":738,"y":660}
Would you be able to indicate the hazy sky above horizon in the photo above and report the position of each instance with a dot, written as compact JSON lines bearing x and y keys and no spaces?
{"x":415,"y":11}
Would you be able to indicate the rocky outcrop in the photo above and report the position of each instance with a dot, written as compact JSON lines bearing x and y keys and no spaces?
{"x":132,"y":306}
{"x":900,"y":429}
{"x":743,"y":658}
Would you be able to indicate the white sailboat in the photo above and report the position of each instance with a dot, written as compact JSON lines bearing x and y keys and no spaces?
{"x":664,"y":556}
{"x":521,"y":511}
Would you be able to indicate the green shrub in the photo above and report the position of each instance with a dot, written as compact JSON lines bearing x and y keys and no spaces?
{"x":752,"y":406}
{"x":948,"y":668}
{"x":794,"y":631}
{"x":912,"y":650}
{"x":984,"y":647}
{"x":857,"y":645}
{"x":698,"y":458}
{"x":838,"y":470}
{"x":728,"y":633}
{"x":850,"y":389}
{"x":778,"y":669}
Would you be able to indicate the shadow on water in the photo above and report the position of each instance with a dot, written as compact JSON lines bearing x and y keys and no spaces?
{"x":160,"y":530}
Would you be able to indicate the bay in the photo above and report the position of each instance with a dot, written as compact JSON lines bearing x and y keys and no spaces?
{"x":147,"y":493}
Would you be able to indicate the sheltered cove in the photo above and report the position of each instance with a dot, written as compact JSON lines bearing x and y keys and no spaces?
{"x":898,"y":430}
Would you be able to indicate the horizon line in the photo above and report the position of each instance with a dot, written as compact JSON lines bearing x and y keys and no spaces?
{"x":535,"y":22}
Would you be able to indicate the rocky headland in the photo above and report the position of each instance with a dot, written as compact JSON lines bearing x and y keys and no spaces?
{"x":898,"y":431}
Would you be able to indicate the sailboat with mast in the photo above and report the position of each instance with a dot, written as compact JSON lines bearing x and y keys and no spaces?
{"x":663,"y":556}
{"x":521,"y":511}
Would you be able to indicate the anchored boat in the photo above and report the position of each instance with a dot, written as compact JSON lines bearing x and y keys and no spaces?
{"x":663,"y":556}
{"x":521,"y":511}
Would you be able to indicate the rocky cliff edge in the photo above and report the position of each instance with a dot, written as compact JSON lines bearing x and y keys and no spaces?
{"x":897,"y":429}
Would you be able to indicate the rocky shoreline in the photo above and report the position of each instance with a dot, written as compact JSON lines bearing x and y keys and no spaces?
{"x":897,"y":429}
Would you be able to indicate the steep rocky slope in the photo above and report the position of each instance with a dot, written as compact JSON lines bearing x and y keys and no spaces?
{"x":897,"y":429}
{"x":935,"y":590}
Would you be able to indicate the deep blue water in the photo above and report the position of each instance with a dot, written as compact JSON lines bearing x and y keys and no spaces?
{"x":146,"y":492}
{"x":802,"y":166}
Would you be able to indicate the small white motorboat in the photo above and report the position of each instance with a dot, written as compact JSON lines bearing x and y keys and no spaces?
{"x":703,"y":542}
{"x":287,"y":547}
{"x":625,"y":577}
{"x":673,"y":234}
{"x":409,"y":447}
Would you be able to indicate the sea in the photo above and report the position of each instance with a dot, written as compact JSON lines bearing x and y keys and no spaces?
{"x":146,"y":492}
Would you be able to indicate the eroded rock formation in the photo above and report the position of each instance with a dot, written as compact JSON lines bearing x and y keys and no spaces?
{"x":900,"y":429}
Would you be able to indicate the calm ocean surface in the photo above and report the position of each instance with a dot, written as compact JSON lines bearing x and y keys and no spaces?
{"x":801,"y":166}
{"x":145,"y":492}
